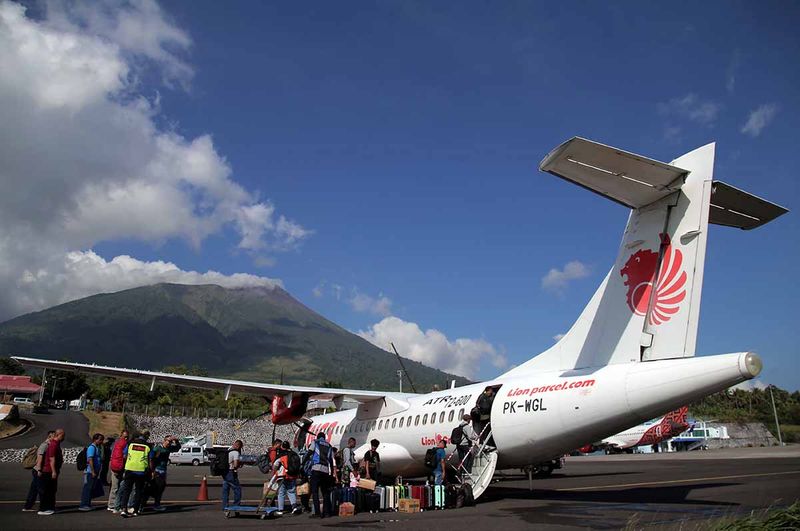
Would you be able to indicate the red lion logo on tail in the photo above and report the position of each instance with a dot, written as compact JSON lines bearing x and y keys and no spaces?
{"x":640,"y":270}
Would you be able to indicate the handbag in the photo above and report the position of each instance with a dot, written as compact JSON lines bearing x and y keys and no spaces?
{"x":303,"y":490}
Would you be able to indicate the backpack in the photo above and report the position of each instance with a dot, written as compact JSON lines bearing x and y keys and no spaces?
{"x":457,"y":435}
{"x":464,"y":498}
{"x":117,"y":462}
{"x":29,"y":459}
{"x":81,"y":462}
{"x":263,"y":464}
{"x":220,"y":465}
{"x":321,"y":450}
{"x":475,"y":414}
{"x":430,"y":458}
{"x":293,"y":468}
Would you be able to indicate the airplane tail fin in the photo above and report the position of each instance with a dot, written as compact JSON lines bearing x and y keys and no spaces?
{"x":648,"y":306}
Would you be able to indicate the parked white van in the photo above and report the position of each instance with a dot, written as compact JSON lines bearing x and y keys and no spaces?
{"x":189,"y":454}
{"x":23,"y":400}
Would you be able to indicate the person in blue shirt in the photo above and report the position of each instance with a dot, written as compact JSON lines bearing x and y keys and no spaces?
{"x":94,"y":461}
{"x":441,"y":457}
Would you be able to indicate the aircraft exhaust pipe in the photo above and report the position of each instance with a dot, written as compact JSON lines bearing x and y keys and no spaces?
{"x":750,"y":365}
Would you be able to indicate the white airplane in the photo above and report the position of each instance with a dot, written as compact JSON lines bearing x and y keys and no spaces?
{"x":629,"y":357}
{"x":646,"y":434}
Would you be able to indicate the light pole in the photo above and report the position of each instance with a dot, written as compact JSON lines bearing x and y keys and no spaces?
{"x":44,"y":384}
{"x":55,"y":381}
{"x":400,"y":376}
{"x":775,"y":412}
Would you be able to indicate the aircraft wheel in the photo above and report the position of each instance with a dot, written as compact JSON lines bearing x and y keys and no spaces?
{"x":228,"y":514}
{"x":544,"y":470}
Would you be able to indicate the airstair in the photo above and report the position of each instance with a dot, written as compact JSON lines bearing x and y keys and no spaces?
{"x":484,"y":462}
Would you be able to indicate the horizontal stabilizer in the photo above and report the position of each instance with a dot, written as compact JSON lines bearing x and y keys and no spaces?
{"x":735,"y":208}
{"x":624,"y":177}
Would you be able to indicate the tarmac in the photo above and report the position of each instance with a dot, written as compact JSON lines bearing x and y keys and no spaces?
{"x":690,"y":490}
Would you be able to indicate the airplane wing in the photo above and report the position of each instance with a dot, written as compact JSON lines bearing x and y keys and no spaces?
{"x":205,"y":382}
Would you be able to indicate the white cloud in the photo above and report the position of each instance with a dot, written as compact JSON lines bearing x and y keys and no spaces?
{"x":363,"y":303}
{"x":85,"y":161}
{"x":692,"y":108}
{"x":759,"y":119}
{"x":431,"y":347}
{"x":84,"y":273}
{"x":556,"y":280}
{"x":558,"y":337}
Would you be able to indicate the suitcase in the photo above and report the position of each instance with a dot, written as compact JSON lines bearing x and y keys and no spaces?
{"x":450,"y":495}
{"x":374,"y":502}
{"x":381,"y":492}
{"x":418,"y":493}
{"x":440,"y":496}
{"x":392,"y":505}
{"x":428,"y":489}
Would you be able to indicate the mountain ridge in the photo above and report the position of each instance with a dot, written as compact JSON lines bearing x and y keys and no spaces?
{"x":250,"y":332}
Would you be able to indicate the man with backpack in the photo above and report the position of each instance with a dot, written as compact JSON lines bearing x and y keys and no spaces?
{"x":464,"y":437}
{"x":439,"y":463}
{"x":483,"y":410}
{"x":91,"y":470}
{"x":137,"y":468}
{"x":230,"y":480}
{"x":51,"y":467}
{"x":117,"y":467}
{"x":287,"y":469}
{"x":36,"y":472}
{"x":323,"y":474}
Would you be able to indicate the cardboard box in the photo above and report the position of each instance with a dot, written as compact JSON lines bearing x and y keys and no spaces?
{"x":408,"y":505}
{"x":347,"y":509}
{"x":367,"y":484}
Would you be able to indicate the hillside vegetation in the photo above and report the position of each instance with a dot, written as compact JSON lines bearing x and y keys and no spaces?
{"x":737,"y":405}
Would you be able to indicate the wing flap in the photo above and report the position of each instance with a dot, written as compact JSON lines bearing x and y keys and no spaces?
{"x":627,"y":178}
{"x":205,"y":382}
{"x":736,"y":208}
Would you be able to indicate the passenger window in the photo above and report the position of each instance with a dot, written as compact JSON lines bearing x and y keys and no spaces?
{"x":416,"y":421}
{"x":450,"y":416}
{"x":425,"y":419}
{"x":394,"y":422}
{"x":195,"y":450}
{"x":401,"y":421}
{"x":441,"y":417}
{"x":461,"y":413}
{"x":408,"y":422}
{"x":380,"y":425}
{"x":433,"y":418}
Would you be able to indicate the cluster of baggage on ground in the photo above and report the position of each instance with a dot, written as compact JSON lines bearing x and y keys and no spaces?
{"x":401,"y":497}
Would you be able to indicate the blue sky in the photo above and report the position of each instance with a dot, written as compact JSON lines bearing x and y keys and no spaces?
{"x":404,"y":139}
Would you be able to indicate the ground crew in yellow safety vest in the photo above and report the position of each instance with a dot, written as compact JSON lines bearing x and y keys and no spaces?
{"x":137,"y":471}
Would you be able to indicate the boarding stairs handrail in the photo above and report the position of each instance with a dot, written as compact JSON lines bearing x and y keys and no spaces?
{"x":484,"y":461}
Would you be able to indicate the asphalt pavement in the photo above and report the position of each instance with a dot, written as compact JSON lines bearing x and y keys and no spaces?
{"x":665,"y":491}
{"x":76,"y":428}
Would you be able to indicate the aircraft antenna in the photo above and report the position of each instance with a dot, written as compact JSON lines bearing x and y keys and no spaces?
{"x":400,"y":360}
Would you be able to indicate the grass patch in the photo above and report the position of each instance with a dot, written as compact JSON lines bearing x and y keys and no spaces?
{"x":769,"y":520}
{"x":105,"y":422}
{"x":790,"y":433}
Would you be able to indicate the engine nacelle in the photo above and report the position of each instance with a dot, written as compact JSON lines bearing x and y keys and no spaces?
{"x":589,"y":448}
{"x":283,"y":413}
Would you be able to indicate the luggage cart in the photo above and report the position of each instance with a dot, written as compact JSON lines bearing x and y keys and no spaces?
{"x":264,"y":512}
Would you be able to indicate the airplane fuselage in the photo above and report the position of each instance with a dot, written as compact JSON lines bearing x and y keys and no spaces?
{"x":534,"y":418}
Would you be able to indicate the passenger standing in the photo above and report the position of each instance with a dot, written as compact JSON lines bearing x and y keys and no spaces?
{"x":484,"y":407}
{"x":94,"y":461}
{"x":36,"y":474}
{"x":137,"y":467}
{"x":117,"y":466}
{"x":231,"y":478}
{"x":323,"y":474}
{"x":349,"y":461}
{"x":104,"y":468}
{"x":159,"y":461}
{"x":286,"y":472}
{"x":439,"y":464}
{"x":371,"y":466}
{"x":272,"y":453}
{"x":51,"y":468}
{"x":464,"y":447}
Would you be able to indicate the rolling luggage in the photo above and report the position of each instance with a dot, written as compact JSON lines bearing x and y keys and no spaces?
{"x":418,"y":493}
{"x":381,"y":492}
{"x":429,"y":496}
{"x":440,"y":496}
{"x":450,"y":495}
